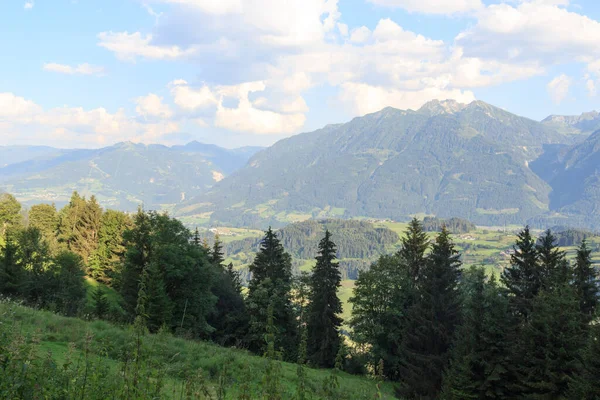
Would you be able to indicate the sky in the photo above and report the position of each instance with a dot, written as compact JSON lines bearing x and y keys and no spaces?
{"x":91,"y":73}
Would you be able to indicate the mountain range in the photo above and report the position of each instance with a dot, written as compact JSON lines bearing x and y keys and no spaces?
{"x":122,"y":176}
{"x":447,"y":159}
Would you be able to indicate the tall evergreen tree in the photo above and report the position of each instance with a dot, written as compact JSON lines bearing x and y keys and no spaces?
{"x":158,"y":306}
{"x":550,"y":345}
{"x":414,"y":245}
{"x":111,"y":247}
{"x":431,"y":322}
{"x":34,"y":259}
{"x":480,"y":367}
{"x":101,"y":304}
{"x":587,"y":385}
{"x":524,"y":277}
{"x":586,"y":281}
{"x":271,"y":285}
{"x":554,"y":267}
{"x":68,"y":273}
{"x":216,"y":255}
{"x":323,"y":321}
{"x":12,"y":277}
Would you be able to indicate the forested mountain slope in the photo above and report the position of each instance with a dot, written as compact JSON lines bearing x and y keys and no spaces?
{"x":447,"y":159}
{"x":122,"y":176}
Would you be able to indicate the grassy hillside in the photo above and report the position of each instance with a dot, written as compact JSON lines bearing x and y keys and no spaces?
{"x":99,"y":352}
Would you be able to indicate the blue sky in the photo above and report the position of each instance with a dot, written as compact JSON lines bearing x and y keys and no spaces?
{"x":83,"y":73}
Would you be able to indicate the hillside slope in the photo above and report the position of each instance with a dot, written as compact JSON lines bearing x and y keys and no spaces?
{"x":447,"y":159}
{"x":122,"y":176}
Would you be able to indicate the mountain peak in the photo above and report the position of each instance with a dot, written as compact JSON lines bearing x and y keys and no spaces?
{"x":437,"y":107}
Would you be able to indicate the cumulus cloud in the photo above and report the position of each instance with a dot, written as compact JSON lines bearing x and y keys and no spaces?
{"x":152,"y":105}
{"x":81,"y":69}
{"x":432,"y":6}
{"x":28,"y":5}
{"x":26,"y":122}
{"x":129,"y":46}
{"x":558,"y":88}
{"x":363,"y":98}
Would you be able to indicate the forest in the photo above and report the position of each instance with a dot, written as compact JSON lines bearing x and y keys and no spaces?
{"x":422,"y":323}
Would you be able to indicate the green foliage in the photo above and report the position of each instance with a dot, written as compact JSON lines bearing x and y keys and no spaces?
{"x":111,"y":247}
{"x":323,"y":321}
{"x":79,"y":226}
{"x":10,"y":212}
{"x":586,"y":282}
{"x":454,"y":225}
{"x":271,"y":286}
{"x":480,"y":367}
{"x":44,"y":217}
{"x":101,"y":304}
{"x":431,"y":322}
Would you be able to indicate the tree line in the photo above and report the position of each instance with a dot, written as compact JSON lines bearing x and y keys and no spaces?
{"x":419,"y":318}
{"x":442,"y":331}
{"x":168,"y":277}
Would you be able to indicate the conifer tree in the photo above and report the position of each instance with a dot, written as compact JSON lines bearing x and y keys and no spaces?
{"x":12,"y":277}
{"x":586,"y":282}
{"x":271,"y":284}
{"x":101,"y":305}
{"x":431,"y":322}
{"x":323,"y":321}
{"x":479,"y":367}
{"x":587,"y":385}
{"x":414,"y":245}
{"x":554,"y":267}
{"x":44,"y":217}
{"x":158,"y":306}
{"x":524,"y":277}
{"x":70,"y":286}
{"x":550,"y":344}
{"x":109,"y":255}
{"x":216,"y":255}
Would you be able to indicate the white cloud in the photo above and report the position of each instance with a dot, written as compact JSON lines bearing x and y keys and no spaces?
{"x":539,"y":31}
{"x":190,"y":99}
{"x":152,"y":105}
{"x":558,"y":88}
{"x":433,"y":6}
{"x":360,"y":35}
{"x":128,"y":47}
{"x":364,"y":99}
{"x":26,"y":122}
{"x":343,"y":29}
{"x":28,"y":5}
{"x":81,"y":69}
{"x":590,"y":85}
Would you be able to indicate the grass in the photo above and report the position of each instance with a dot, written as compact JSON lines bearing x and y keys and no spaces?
{"x":179,"y":359}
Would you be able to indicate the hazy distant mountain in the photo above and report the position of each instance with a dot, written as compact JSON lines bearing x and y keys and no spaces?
{"x":16,"y":154}
{"x":447,"y":159}
{"x":575,"y":182}
{"x":121,"y":176}
{"x":587,"y":122}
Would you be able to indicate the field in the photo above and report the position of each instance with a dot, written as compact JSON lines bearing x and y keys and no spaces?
{"x":99,"y":349}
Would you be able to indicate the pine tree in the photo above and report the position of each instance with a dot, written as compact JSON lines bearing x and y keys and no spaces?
{"x":480,"y":367}
{"x":158,"y":306}
{"x":554,"y":267}
{"x":69,"y":276}
{"x":216,"y":255}
{"x":550,"y":344}
{"x":44,"y":217}
{"x":323,"y":321}
{"x":524,"y":277}
{"x":431,"y":322}
{"x":587,"y":385}
{"x":12,"y":276}
{"x":101,"y":304}
{"x":106,"y":262}
{"x":414,"y":245}
{"x":586,"y":282}
{"x":271,"y":284}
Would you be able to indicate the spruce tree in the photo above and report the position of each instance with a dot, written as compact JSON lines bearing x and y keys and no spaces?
{"x":431,"y":322}
{"x":554,"y":267}
{"x":44,"y":217}
{"x":101,"y":304}
{"x":414,"y":245}
{"x":271,"y":285}
{"x":586,"y":281}
{"x":480,"y":367}
{"x":69,"y":276}
{"x":524,"y":277}
{"x":550,"y":344}
{"x":10,"y":212}
{"x":158,"y":306}
{"x":587,"y":385}
{"x":323,"y":321}
{"x":216,"y":255}
{"x":12,"y":276}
